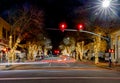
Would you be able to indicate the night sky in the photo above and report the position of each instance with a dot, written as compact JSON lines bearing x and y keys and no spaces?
{"x":56,"y":11}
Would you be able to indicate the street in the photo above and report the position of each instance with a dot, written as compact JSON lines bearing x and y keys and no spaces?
{"x":53,"y":72}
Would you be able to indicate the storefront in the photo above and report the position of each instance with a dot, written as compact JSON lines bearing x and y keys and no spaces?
{"x":3,"y":51}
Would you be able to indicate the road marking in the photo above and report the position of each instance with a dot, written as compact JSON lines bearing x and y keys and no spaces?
{"x":57,"y":78}
{"x":2,"y":64}
{"x":49,"y":64}
{"x":67,"y":64}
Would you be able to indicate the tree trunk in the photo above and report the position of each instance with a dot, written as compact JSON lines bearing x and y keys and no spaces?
{"x":32,"y":51}
{"x":82,"y":50}
{"x":96,"y":58}
{"x":77,"y":55}
{"x":12,"y":51}
{"x":97,"y":49}
{"x":10,"y":46}
{"x":10,"y":41}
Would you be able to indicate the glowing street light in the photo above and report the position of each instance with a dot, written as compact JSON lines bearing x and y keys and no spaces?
{"x":105,"y":9}
{"x":106,"y":3}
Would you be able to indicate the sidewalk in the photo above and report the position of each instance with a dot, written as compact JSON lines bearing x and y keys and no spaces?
{"x":105,"y":65}
{"x":115,"y":67}
{"x":5,"y":67}
{"x":2,"y":67}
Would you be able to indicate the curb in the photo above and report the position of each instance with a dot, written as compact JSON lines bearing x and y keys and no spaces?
{"x":2,"y":67}
{"x":104,"y":65}
{"x":110,"y":68}
{"x":8,"y":67}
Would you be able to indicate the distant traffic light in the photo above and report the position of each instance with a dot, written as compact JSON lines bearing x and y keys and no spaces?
{"x":56,"y":51}
{"x":111,"y":50}
{"x":62,"y":26}
{"x":4,"y":49}
{"x":80,"y":27}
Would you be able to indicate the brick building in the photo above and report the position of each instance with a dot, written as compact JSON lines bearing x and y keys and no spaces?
{"x":4,"y":33}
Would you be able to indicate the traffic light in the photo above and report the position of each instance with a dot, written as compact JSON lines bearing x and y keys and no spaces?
{"x":111,"y":50}
{"x":56,"y":52}
{"x":80,"y":27}
{"x":63,"y":26}
{"x":4,"y":49}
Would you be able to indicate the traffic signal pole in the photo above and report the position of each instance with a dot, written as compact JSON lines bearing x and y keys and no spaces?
{"x":94,"y":34}
{"x":88,"y":32}
{"x":81,"y":30}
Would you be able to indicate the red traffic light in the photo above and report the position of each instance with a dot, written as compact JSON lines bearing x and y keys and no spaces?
{"x":56,"y":51}
{"x":63,"y":26}
{"x":80,"y":27}
{"x":111,"y":50}
{"x":4,"y":49}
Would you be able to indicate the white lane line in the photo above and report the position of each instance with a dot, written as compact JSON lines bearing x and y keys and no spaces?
{"x":67,"y":64}
{"x":1,"y":64}
{"x":57,"y":78}
{"x":49,"y":64}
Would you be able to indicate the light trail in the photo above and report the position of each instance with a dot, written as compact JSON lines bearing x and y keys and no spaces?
{"x":21,"y":63}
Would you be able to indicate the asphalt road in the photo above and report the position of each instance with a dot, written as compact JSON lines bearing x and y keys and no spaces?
{"x":58,"y":72}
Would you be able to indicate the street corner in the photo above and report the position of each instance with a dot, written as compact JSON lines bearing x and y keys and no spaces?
{"x":6,"y":67}
{"x":2,"y":67}
{"x":106,"y":66}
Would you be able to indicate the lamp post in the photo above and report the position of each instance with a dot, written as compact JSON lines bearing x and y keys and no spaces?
{"x":105,"y":10}
{"x":106,"y":4}
{"x":109,"y":50}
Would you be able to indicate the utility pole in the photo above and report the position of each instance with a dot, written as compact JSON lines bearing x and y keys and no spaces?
{"x":109,"y":50}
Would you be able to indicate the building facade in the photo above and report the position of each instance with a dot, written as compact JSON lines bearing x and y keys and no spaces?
{"x":4,"y":33}
{"x":115,"y":45}
{"x":4,"y":39}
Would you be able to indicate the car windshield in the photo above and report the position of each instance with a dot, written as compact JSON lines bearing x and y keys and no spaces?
{"x":49,"y":41}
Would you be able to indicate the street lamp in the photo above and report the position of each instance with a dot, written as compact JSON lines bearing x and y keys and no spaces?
{"x":105,"y":10}
{"x":109,"y":51}
{"x":106,"y":3}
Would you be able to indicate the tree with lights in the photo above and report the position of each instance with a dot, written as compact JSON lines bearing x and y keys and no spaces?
{"x":79,"y":50}
{"x":37,"y":48}
{"x":23,"y":23}
{"x":67,"y":46}
{"x":100,"y":45}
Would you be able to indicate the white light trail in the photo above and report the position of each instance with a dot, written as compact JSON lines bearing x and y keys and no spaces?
{"x":21,"y":63}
